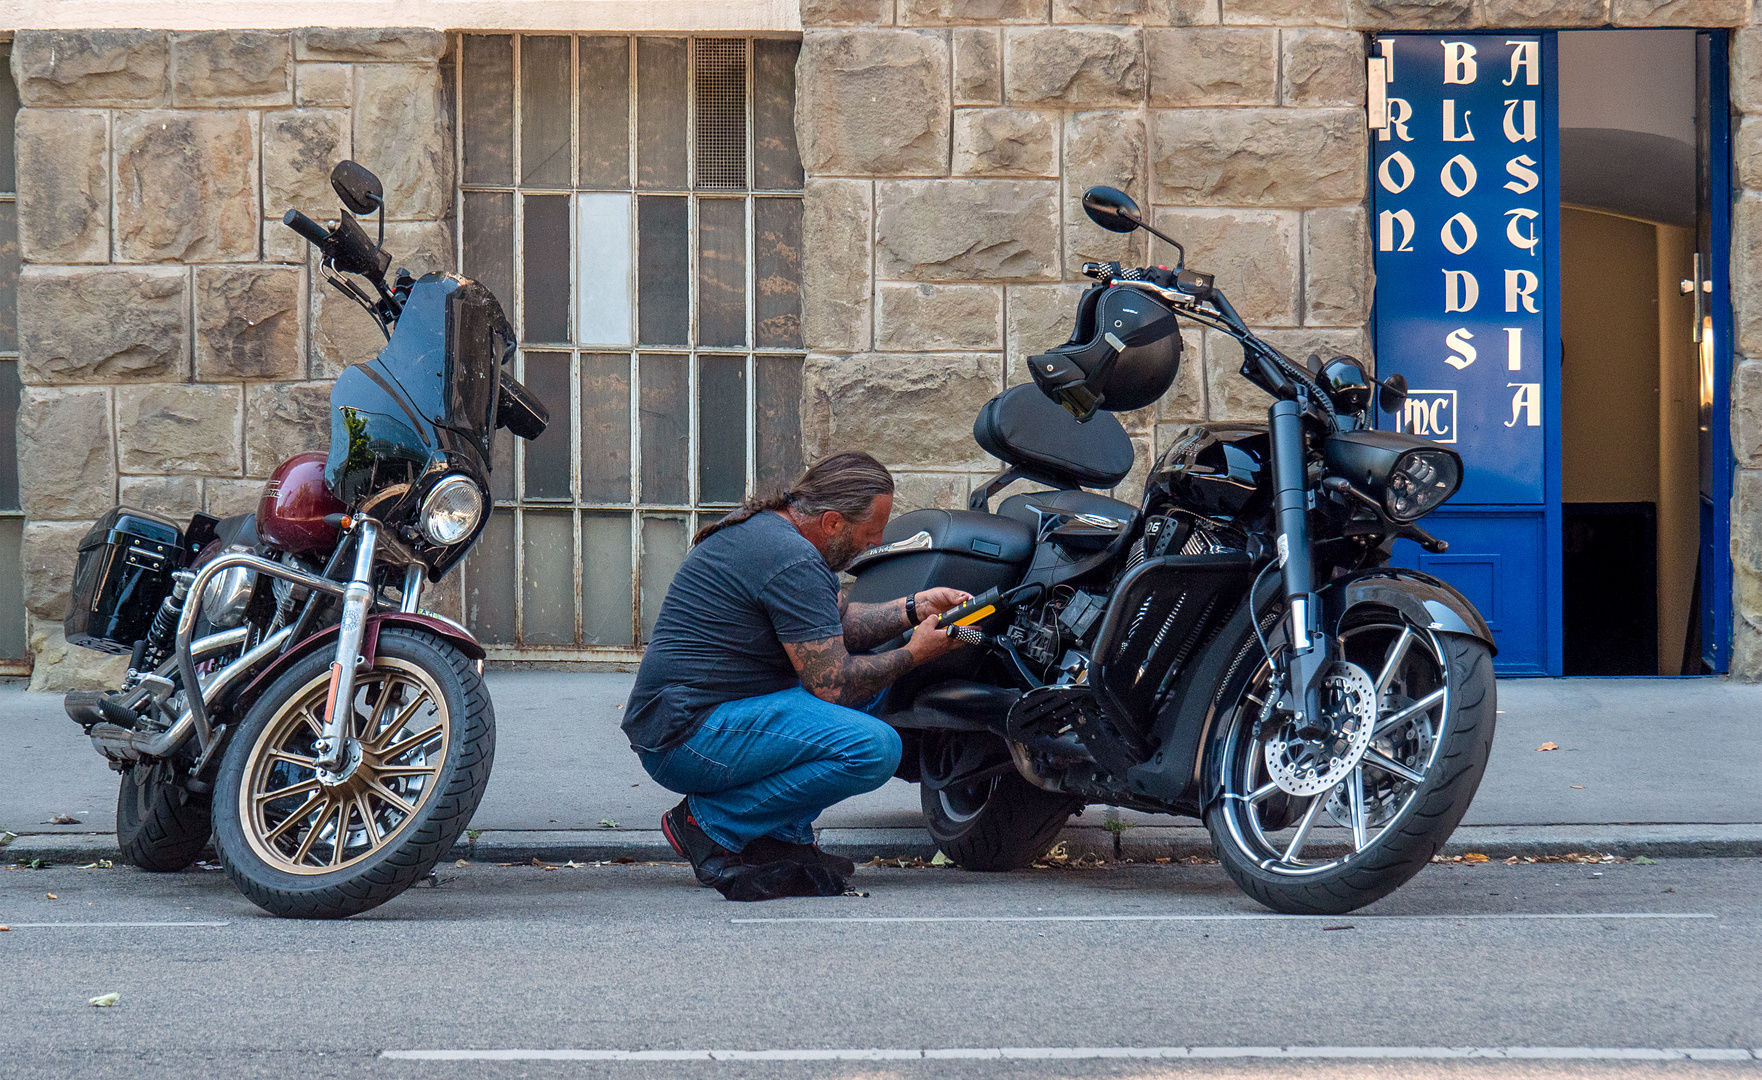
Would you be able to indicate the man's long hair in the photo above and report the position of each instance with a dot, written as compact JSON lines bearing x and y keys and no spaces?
{"x":848,"y":482}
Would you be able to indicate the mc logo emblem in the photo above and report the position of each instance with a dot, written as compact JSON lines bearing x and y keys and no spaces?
{"x":1430,"y":414}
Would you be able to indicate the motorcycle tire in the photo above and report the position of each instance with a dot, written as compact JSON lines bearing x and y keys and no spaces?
{"x":1005,"y":828}
{"x":301,"y":846}
{"x":161,"y":826}
{"x":1416,"y":819}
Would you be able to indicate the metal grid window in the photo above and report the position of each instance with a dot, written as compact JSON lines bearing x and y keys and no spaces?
{"x":636,"y":203}
{"x":14,"y":649}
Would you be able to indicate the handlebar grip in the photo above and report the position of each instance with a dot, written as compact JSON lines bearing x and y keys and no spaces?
{"x":306,"y":227}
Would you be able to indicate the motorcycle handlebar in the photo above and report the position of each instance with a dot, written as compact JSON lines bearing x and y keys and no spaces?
{"x":306,"y":227}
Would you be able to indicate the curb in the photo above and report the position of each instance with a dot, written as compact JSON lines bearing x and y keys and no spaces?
{"x":1146,"y":843}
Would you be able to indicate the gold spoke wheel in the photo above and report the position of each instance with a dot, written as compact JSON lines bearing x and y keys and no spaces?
{"x":303,"y":822}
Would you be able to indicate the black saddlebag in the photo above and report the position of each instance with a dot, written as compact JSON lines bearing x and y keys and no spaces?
{"x":960,"y":549}
{"x":122,"y":575}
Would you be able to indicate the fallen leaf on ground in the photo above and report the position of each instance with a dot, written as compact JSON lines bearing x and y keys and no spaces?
{"x":1474,"y":856}
{"x":624,"y":860}
{"x":51,"y":896}
{"x":101,"y":864}
{"x":104,"y":1001}
{"x":1643,"y":861}
{"x":939,"y":859}
{"x":1578,"y":787}
{"x":1546,"y":746}
{"x":63,"y":819}
{"x":462,"y":862}
{"x":608,"y":823}
{"x":4,"y":929}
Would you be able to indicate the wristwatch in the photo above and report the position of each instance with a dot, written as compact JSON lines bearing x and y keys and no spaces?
{"x":911,"y":610}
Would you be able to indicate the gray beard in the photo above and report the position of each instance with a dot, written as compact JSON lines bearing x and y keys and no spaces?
{"x":838,"y":553}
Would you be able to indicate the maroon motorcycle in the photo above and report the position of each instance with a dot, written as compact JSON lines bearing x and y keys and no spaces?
{"x":286,"y":693}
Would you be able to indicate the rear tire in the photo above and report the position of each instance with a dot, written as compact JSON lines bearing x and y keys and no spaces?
{"x":999,"y":823}
{"x":328,"y":850}
{"x":161,"y":826}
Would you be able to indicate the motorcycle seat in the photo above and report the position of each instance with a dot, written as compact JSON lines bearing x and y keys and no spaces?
{"x":1025,"y":428}
{"x":1021,"y":507}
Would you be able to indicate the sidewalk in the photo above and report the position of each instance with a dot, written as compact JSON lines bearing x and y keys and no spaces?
{"x":1660,"y":767}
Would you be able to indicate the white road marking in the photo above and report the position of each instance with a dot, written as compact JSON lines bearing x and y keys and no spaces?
{"x":1071,"y":1053}
{"x":1236,"y":917}
{"x":101,"y":925}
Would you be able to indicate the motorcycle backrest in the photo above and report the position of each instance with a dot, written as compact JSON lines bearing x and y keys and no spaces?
{"x":1025,"y":428}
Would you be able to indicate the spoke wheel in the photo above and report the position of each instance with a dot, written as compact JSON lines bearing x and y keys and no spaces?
{"x":304,"y":820}
{"x":306,"y":842}
{"x":1396,"y":797}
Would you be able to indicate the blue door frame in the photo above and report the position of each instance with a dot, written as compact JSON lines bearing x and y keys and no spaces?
{"x":1464,"y":101}
{"x":1716,"y":572}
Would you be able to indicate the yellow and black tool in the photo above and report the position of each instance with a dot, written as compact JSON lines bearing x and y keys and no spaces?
{"x":971,"y":613}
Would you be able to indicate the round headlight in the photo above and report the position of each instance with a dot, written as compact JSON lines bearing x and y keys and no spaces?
{"x":451,"y":510}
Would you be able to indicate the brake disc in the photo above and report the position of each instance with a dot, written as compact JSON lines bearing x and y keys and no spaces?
{"x":1311,"y":766}
{"x":1410,"y":743}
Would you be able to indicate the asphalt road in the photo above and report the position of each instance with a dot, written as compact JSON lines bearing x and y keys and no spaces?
{"x":636,"y":958}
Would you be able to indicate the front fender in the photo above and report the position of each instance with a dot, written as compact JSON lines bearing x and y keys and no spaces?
{"x":457,"y":635}
{"x":1426,"y":601}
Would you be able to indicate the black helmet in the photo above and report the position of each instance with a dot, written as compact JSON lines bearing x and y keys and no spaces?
{"x":1123,"y":354}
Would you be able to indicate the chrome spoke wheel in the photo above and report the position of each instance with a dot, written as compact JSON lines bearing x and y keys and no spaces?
{"x":302,"y":819}
{"x":1299,"y":807}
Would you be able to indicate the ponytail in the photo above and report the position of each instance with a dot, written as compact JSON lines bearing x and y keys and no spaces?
{"x":848,"y":482}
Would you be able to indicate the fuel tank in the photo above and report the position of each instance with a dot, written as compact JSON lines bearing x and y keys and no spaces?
{"x":1218,"y":471}
{"x":290,"y":515}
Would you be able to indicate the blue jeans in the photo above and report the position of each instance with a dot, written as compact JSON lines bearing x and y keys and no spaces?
{"x":767,"y":766}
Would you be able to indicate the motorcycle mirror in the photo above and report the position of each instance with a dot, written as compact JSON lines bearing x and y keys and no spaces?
{"x":357,"y":187}
{"x":1112,"y":209}
{"x":1393,"y":393}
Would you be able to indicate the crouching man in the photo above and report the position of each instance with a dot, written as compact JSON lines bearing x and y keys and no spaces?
{"x":749,"y":696}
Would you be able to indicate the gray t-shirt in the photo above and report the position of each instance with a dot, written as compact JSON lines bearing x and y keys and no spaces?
{"x":737,"y":598}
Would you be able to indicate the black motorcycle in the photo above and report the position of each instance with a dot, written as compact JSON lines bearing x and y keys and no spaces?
{"x":1236,"y":649}
{"x":285,"y":691}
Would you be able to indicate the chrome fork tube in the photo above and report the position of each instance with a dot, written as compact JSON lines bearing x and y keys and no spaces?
{"x":413,"y":581}
{"x":357,"y":600}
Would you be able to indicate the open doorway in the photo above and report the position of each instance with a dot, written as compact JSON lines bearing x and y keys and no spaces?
{"x":1631,"y":386}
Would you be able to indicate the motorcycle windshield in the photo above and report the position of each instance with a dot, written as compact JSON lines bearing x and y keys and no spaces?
{"x":435,"y":383}
{"x":446,"y":354}
{"x":373,"y":453}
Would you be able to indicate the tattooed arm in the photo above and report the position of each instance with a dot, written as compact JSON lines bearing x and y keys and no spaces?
{"x":829,"y":672}
{"x":868,"y":625}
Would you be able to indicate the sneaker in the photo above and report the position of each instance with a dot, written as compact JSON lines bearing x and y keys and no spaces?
{"x":693,"y":844}
{"x":770,"y":849}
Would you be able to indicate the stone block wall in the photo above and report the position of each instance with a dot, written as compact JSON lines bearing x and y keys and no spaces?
{"x":947,"y":146}
{"x":176,"y":342}
{"x":947,"y":143}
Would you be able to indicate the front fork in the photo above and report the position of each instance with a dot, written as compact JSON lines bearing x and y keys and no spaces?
{"x":334,"y":751}
{"x":1311,"y":652}
{"x":332,"y":747}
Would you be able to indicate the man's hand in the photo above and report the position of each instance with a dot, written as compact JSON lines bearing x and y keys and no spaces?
{"x":868,"y":625}
{"x":928,"y":642}
{"x":937,"y":601}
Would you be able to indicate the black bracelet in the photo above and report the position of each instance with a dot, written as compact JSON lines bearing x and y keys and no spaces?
{"x":911,"y":610}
